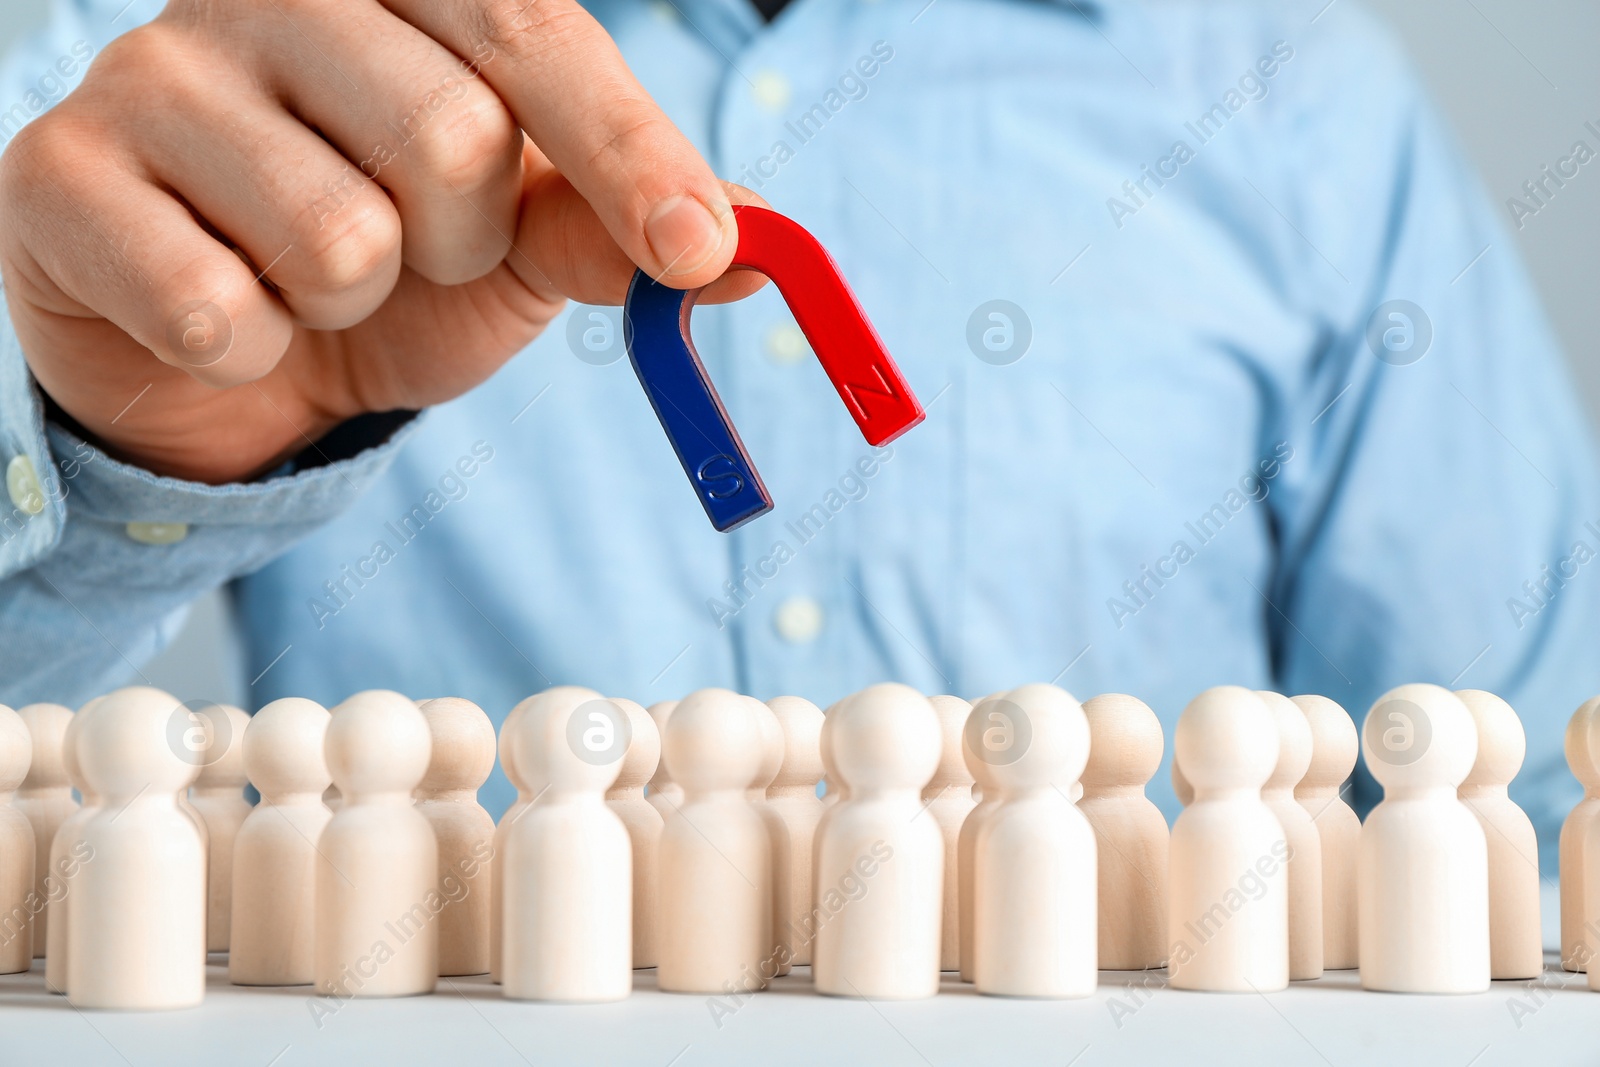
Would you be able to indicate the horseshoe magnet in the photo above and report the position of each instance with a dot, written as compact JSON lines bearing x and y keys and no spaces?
{"x":656,"y":331}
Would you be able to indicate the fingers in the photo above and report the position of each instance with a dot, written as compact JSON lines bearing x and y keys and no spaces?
{"x":736,"y":284}
{"x":113,"y":244}
{"x":417,"y":120}
{"x":324,"y":235}
{"x":568,"y":87}
{"x":563,"y":246}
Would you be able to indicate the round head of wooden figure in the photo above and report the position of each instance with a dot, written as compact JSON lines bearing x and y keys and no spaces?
{"x":1580,"y":749}
{"x":1125,"y":743}
{"x":771,"y":745}
{"x":1295,"y":743}
{"x":377,"y":743}
{"x":69,"y":749}
{"x":571,"y":740}
{"x":1334,"y":745}
{"x":125,"y":747}
{"x":508,"y":758}
{"x":886,"y":737}
{"x":644,"y":748}
{"x":830,"y":770}
{"x":1226,"y":739}
{"x":801,"y":723}
{"x":1419,"y":737}
{"x":463,"y":746}
{"x":1056,"y":735}
{"x":991,"y":713}
{"x":220,"y":754}
{"x":283,"y":748}
{"x":16,"y":750}
{"x":47,"y":726}
{"x":1501,"y":742}
{"x":659,"y":712}
{"x":713,"y":742}
{"x":1180,"y":785}
{"x":952,"y":772}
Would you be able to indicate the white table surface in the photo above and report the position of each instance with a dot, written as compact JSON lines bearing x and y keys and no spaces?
{"x":1330,"y":1021}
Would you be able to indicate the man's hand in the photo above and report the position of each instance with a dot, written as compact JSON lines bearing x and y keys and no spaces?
{"x":310,"y":209}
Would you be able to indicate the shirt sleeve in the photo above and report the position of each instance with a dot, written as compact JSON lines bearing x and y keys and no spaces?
{"x":1446,"y":526}
{"x":99,"y":559}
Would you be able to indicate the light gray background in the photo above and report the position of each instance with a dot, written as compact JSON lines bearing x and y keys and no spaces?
{"x":1517,"y":80}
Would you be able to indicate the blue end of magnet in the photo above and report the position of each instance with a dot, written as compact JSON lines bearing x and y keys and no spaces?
{"x":655,"y":327}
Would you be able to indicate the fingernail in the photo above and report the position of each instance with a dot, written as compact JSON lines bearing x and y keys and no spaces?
{"x":683,"y":233}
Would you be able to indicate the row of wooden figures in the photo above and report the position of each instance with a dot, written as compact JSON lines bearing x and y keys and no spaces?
{"x":1009,"y":840}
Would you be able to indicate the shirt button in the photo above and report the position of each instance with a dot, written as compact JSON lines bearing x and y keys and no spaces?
{"x":786,"y":344}
{"x":772,"y":90}
{"x":22,"y":482}
{"x":157,"y":533}
{"x":798,"y":620}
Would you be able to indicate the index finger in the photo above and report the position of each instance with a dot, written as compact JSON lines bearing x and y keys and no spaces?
{"x":569,"y":88}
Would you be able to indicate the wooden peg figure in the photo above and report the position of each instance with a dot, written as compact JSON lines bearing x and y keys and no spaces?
{"x":1577,"y":945}
{"x":67,"y":853}
{"x":45,"y":797}
{"x":881,"y":866}
{"x":947,"y":798}
{"x":1034,"y":908}
{"x":1590,"y":932}
{"x":218,"y":797}
{"x":190,"y":737}
{"x":663,"y":793}
{"x":17,"y":848}
{"x":1516,"y":949}
{"x":568,"y":878}
{"x":1180,"y":785}
{"x":1125,"y":746}
{"x":1228,"y":903}
{"x":275,"y":857}
{"x":1300,"y":832}
{"x":792,"y":797}
{"x":377,"y":895}
{"x":833,"y":792}
{"x":988,"y":715}
{"x":463,"y":741}
{"x":715,"y":932}
{"x":1422,"y":879}
{"x":137,"y":929}
{"x":643,"y":822}
{"x":525,"y":797}
{"x":781,"y":953}
{"x":1334,"y":747}
{"x":508,"y":763}
{"x":833,"y":789}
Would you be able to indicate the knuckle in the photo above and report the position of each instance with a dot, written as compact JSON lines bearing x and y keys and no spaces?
{"x":49,"y":162}
{"x":152,"y":66}
{"x":202,"y":306}
{"x":469,"y":141}
{"x":33,"y":150}
{"x":353,"y":241}
{"x":41,"y":150}
{"x":528,"y":29}
{"x":145,"y":54}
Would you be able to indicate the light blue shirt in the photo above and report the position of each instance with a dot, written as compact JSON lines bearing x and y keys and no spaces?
{"x":1195,"y":445}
